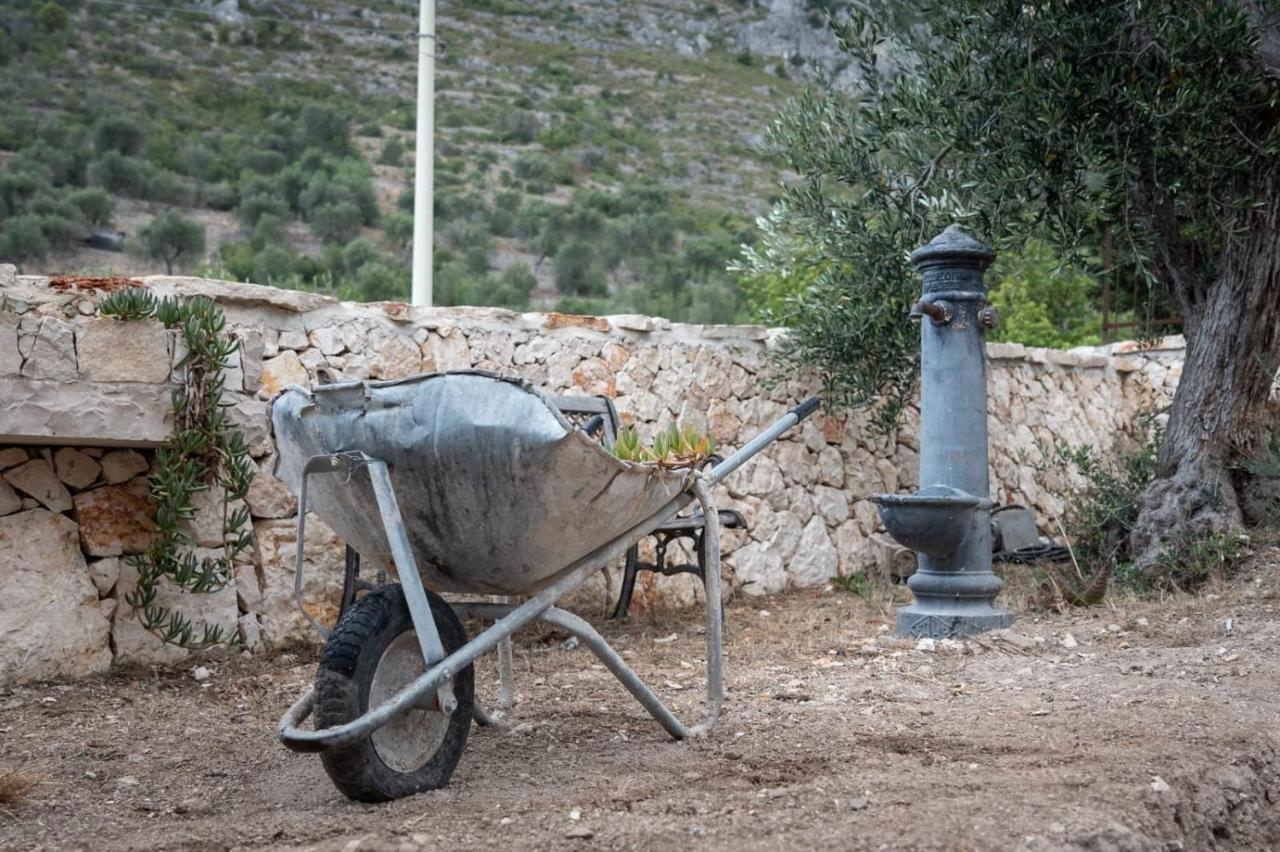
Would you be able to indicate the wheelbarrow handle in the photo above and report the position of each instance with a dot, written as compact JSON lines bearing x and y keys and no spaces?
{"x":764,"y":439}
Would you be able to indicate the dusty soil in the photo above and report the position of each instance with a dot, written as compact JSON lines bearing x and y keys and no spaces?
{"x":1153,"y":727}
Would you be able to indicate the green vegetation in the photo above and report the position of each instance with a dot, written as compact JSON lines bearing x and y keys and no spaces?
{"x":199,"y":117}
{"x":672,"y":447}
{"x":205,"y":453}
{"x":1043,"y":301}
{"x":1102,"y":513}
{"x":169,"y":238}
{"x":1133,"y":130}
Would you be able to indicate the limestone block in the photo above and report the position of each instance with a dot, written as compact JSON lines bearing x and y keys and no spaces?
{"x":115,"y":351}
{"x":234,"y":296}
{"x":251,"y":354}
{"x":616,"y":355}
{"x":325,"y":559}
{"x":801,"y":504}
{"x":10,"y":357}
{"x":250,"y":417}
{"x":832,"y":504}
{"x":268,"y":497}
{"x":135,"y":645}
{"x":281,"y":371}
{"x":82,"y":412}
{"x":104,"y":573}
{"x":328,"y":340}
{"x":594,"y":377}
{"x":248,"y":589}
{"x":397,"y":358}
{"x":50,"y":624}
{"x":638,"y":322}
{"x":250,"y":631}
{"x":867,"y":516}
{"x":796,"y":463}
{"x":206,"y":526}
{"x":852,"y":552}
{"x":36,"y":479}
{"x":50,"y":349}
{"x":758,"y":569}
{"x":781,"y":531}
{"x":830,"y":466}
{"x":723,"y":423}
{"x":122,"y":465}
{"x":293,"y":338}
{"x":115,"y":519}
{"x":10,"y":501}
{"x":815,"y":561}
{"x":75,"y":468}
{"x":447,"y":349}
{"x":312,"y":360}
{"x":12,"y":457}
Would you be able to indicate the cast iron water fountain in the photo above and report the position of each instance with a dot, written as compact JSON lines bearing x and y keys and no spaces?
{"x":948,"y":521}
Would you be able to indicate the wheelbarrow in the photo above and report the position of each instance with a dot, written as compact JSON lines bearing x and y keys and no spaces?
{"x":473,"y":483}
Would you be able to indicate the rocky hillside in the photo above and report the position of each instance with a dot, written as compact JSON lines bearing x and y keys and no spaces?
{"x":591,"y":155}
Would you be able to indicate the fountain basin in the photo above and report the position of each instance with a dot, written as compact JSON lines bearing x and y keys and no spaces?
{"x":934,"y":521}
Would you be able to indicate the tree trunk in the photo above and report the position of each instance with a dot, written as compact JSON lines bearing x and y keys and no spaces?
{"x":1223,"y":408}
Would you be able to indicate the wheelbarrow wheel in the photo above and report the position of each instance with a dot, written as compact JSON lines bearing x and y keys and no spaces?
{"x":371,"y":655}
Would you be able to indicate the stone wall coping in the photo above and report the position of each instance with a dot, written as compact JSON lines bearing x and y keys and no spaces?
{"x":294,"y":310}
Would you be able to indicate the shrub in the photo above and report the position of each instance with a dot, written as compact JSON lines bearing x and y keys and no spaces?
{"x":120,"y":134}
{"x":217,"y":196}
{"x":324,"y":127}
{"x":519,"y":278}
{"x":17,"y":187}
{"x":398,"y":229}
{"x":95,"y":204}
{"x":348,"y":183}
{"x":1041,"y":300}
{"x":336,"y":222}
{"x":357,"y":254}
{"x":61,"y":231}
{"x":272,"y":264}
{"x":268,"y":231}
{"x":377,"y":282}
{"x":171,"y":237}
{"x":392,"y":152}
{"x":22,"y":238}
{"x":578,"y":272}
{"x":52,"y":18}
{"x":518,"y":127}
{"x":264,"y":161}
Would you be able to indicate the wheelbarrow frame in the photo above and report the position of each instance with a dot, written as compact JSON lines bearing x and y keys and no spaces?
{"x":509,"y":618}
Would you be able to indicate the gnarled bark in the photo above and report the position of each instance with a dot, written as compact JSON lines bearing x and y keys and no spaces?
{"x":1222,"y":409}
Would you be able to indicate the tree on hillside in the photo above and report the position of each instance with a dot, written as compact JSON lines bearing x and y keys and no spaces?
{"x":1156,"y":119}
{"x":170,"y":237}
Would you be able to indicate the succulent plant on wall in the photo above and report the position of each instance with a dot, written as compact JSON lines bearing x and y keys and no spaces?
{"x":204,"y":452}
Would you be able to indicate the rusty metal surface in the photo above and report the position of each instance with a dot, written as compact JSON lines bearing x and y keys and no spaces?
{"x":500,"y":495}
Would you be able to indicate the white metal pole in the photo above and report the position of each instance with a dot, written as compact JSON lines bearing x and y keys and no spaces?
{"x":424,"y":154}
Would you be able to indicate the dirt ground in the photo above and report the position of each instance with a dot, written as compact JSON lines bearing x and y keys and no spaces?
{"x":1154,"y":726}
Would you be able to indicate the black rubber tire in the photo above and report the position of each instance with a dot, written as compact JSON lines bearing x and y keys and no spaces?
{"x":343,"y":679}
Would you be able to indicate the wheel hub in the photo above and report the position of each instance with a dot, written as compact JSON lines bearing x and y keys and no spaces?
{"x":407,"y":742}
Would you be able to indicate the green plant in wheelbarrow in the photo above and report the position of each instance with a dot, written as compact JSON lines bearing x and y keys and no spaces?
{"x":672,"y":447}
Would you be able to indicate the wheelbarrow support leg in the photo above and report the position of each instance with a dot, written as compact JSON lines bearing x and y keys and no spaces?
{"x":401,"y":553}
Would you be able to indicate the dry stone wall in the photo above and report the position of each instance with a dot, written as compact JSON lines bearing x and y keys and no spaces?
{"x":69,"y":510}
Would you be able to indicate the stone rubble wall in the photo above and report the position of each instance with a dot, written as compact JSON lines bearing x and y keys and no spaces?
{"x":805,"y":499}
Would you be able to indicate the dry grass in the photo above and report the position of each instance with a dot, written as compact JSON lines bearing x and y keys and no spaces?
{"x":15,"y":785}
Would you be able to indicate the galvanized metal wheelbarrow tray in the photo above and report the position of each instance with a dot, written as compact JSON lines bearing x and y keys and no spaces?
{"x":473,"y":482}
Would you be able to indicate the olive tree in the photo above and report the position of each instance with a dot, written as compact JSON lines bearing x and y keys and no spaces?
{"x":1060,"y":119}
{"x":171,"y":237}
